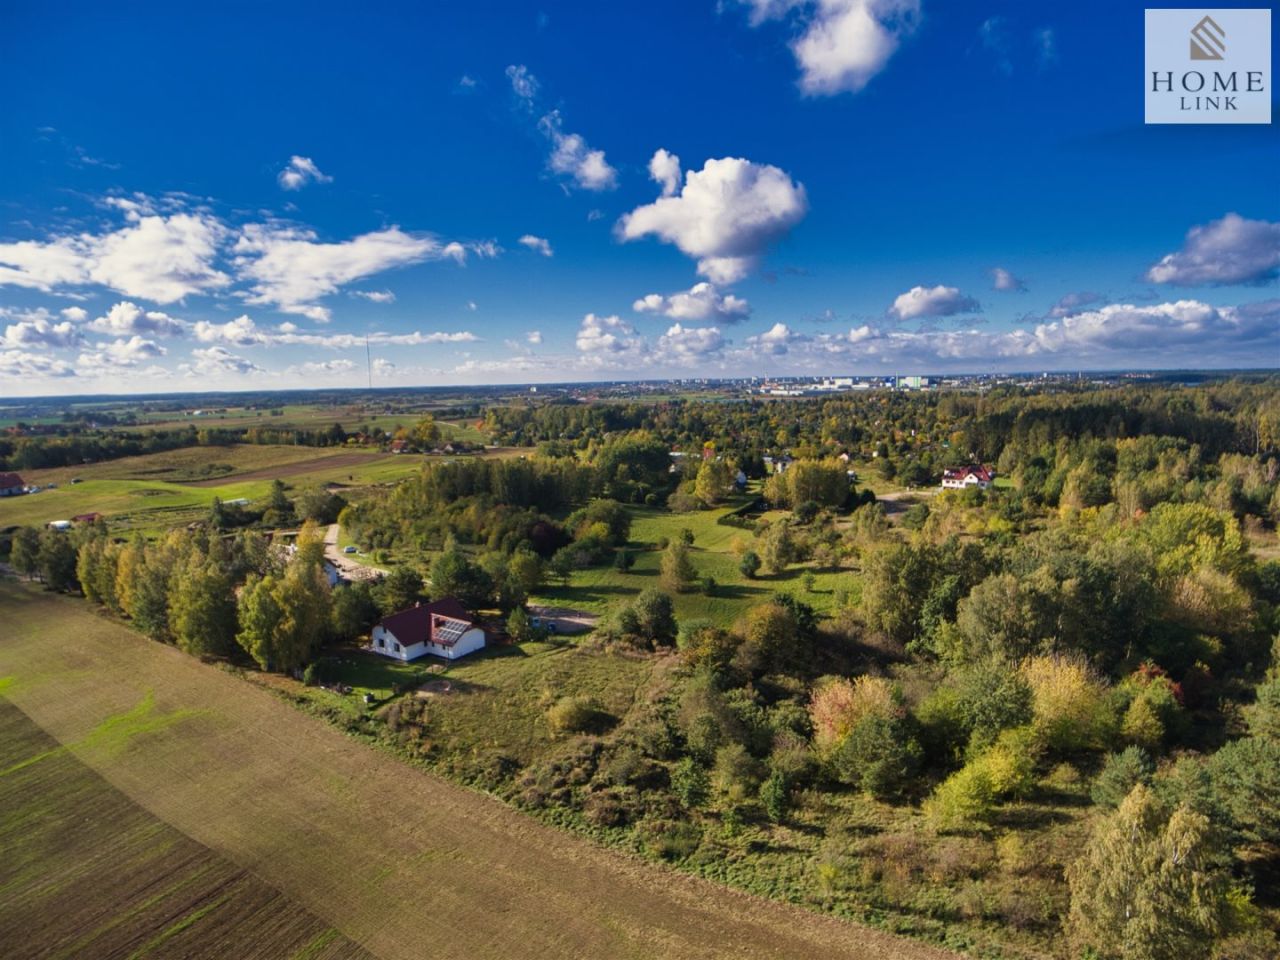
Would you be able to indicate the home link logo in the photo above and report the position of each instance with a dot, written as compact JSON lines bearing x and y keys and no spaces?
{"x":1208,"y":41}
{"x":1208,"y":66}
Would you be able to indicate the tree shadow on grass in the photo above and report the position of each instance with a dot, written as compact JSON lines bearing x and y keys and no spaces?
{"x":574,"y":596}
{"x":1026,"y":817}
{"x":736,"y":591}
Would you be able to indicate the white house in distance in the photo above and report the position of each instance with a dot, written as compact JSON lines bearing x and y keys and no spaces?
{"x":962,"y":478}
{"x":443,"y":629}
{"x":11,"y":485}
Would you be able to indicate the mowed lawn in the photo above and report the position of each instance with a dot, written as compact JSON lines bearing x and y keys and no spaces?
{"x":401,"y":863}
{"x":87,"y":872}
{"x":603,"y":589}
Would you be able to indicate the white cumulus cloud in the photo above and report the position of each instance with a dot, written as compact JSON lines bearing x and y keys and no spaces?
{"x":573,"y":157}
{"x":23,"y":365}
{"x":687,"y":344}
{"x":126,"y":319}
{"x":936,"y":301}
{"x":776,"y":341}
{"x":290,"y":269}
{"x":217,"y":361}
{"x":607,"y":335}
{"x":725,"y":217}
{"x":664,"y":169}
{"x":702,"y":301}
{"x":1226,"y":251}
{"x":121,"y":354}
{"x":843,"y":44}
{"x":299,"y":172}
{"x":155,"y":257}
{"x":38,"y":328}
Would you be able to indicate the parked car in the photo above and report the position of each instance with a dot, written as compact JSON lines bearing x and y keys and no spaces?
{"x":349,"y":550}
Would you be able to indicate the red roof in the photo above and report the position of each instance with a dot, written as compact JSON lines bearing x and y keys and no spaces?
{"x":426,"y":621}
{"x":10,"y":480}
{"x":978,"y":472}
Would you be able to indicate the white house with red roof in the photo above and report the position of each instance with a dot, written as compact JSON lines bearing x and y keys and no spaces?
{"x":442,"y":628}
{"x":963,"y":478}
{"x":11,"y":485}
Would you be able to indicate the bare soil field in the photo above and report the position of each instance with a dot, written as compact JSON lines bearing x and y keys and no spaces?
{"x":206,"y":465}
{"x":89,"y":873}
{"x":399,"y":862}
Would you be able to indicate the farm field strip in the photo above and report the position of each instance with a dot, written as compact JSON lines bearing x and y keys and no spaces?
{"x":146,"y":500}
{"x":402,"y":863}
{"x":87,"y":872}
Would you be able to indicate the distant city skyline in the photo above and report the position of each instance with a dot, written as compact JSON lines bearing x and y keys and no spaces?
{"x":307,"y":196}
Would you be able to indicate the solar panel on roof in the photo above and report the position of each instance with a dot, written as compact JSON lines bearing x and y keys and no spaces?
{"x":448,"y":631}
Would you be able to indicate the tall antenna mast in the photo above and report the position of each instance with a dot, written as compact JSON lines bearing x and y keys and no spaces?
{"x":368,"y":359}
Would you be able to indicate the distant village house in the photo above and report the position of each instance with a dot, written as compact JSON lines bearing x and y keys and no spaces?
{"x":11,"y":485}
{"x":962,"y":478}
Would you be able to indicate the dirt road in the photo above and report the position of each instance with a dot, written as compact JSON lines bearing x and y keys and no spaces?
{"x":347,"y":565}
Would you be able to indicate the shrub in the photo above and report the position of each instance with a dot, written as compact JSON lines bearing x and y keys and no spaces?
{"x":1006,"y":769}
{"x":607,"y":808}
{"x":964,"y":797}
{"x":775,"y":796}
{"x":1122,"y":772}
{"x":670,"y":839}
{"x":1069,"y":708}
{"x":992,"y":698}
{"x":1142,"y":725}
{"x":879,"y":756}
{"x":940,"y":718}
{"x":749,"y":565}
{"x":690,"y":783}
{"x":705,"y":643}
{"x":655,"y":615}
{"x":737,"y":774}
{"x":574,"y":714}
{"x":838,"y":705}
{"x":520,"y":627}
{"x":676,"y":569}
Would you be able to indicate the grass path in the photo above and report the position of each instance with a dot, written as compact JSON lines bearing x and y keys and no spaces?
{"x":405,"y":865}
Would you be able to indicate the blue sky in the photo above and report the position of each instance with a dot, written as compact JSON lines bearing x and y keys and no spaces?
{"x":235,"y":196}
